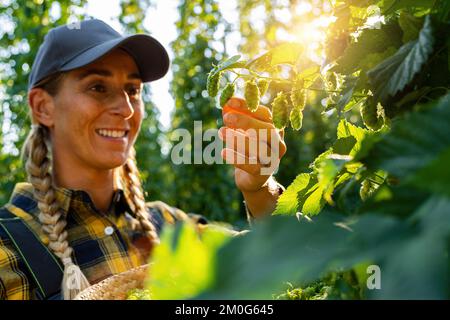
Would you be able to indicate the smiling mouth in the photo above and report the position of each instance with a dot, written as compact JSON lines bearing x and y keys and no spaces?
{"x":109,"y":133}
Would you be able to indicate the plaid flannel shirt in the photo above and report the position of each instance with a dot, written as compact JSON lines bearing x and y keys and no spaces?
{"x":103,"y":244}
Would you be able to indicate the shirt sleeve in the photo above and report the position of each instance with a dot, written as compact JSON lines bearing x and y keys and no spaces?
{"x":14,"y":284}
{"x":172,"y":214}
{"x":250,"y":217}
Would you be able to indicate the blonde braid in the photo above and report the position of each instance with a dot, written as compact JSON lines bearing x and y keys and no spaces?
{"x":38,"y":168}
{"x":132,"y":182}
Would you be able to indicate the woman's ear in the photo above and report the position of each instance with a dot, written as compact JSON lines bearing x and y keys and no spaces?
{"x":42,"y":106}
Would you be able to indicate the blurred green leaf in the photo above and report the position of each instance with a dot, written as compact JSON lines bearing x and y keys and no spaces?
{"x":184,"y":264}
{"x":286,"y":53}
{"x":414,"y":143}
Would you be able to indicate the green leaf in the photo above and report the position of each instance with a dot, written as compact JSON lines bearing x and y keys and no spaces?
{"x":410,"y":26}
{"x":309,"y":74}
{"x":389,"y":6}
{"x":369,"y":42}
{"x":394,"y":73}
{"x":328,"y":171}
{"x":344,"y":145}
{"x":302,"y":195}
{"x":346,"y":93}
{"x":286,"y":53}
{"x":346,"y":129}
{"x":183,"y":265}
{"x":415,"y":142}
{"x":228,"y":64}
{"x":372,"y":114}
{"x":435,"y":177}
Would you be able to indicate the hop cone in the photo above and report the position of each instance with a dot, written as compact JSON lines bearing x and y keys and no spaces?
{"x":226,"y":94}
{"x":280,"y":111}
{"x":212,"y":83}
{"x":252,"y":95}
{"x":296,"y":118}
{"x":263,"y":85}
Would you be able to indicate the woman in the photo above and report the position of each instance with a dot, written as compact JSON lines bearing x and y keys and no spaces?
{"x":82,"y":216}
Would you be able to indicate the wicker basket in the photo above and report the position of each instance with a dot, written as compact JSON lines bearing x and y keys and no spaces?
{"x":115,"y":287}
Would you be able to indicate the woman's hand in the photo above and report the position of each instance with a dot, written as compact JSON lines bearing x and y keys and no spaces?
{"x":254,"y":147}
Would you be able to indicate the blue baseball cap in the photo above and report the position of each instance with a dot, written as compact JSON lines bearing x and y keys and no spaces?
{"x":78,"y":44}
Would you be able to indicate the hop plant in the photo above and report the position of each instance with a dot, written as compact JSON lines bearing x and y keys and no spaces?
{"x":263,"y":85}
{"x":296,"y":118}
{"x":298,"y":95}
{"x":280,"y":111}
{"x":212,"y":83}
{"x":227,"y":93}
{"x":371,"y":117}
{"x":252,"y":95}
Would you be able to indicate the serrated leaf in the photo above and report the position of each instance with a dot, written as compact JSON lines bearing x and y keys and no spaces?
{"x":394,"y":73}
{"x":295,"y":197}
{"x":346,"y":129}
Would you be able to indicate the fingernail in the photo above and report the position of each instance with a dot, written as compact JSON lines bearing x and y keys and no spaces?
{"x":230,"y":117}
{"x":234,"y":103}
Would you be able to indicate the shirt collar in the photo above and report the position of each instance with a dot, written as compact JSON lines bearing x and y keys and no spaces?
{"x":22,"y":197}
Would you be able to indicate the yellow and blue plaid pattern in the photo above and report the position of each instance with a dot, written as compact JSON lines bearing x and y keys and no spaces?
{"x":103,"y":244}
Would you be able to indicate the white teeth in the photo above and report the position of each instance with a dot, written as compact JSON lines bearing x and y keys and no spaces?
{"x":112,"y":133}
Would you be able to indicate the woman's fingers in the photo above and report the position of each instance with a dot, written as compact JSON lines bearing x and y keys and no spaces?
{"x":236,"y":104}
{"x":251,"y":137}
{"x":263,"y":131}
{"x":257,"y":150}
{"x":247,"y":164}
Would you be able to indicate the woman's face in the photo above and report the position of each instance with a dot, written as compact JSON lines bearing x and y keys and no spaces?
{"x":98,"y":112}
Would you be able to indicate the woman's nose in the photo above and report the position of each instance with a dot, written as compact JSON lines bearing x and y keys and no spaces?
{"x":122,"y":105}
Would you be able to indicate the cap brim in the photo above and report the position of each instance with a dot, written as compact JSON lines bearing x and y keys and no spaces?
{"x":150,"y":56}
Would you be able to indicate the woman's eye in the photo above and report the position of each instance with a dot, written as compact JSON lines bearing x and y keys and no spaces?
{"x":134,"y":91}
{"x":98,"y":88}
